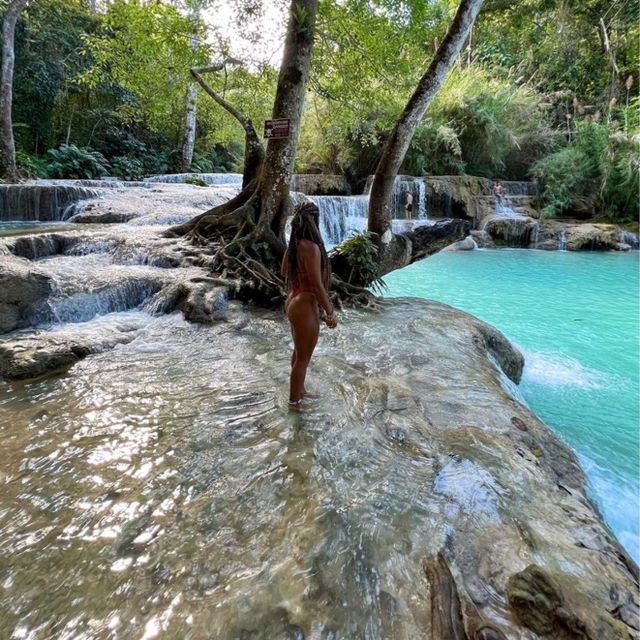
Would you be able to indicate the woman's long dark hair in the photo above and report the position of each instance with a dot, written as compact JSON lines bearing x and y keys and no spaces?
{"x":306,"y":226}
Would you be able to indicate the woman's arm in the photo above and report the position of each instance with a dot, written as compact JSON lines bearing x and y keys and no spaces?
{"x":310,"y":254}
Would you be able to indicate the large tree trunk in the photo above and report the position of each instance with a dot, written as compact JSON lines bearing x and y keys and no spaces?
{"x":189,"y":141}
{"x":247,"y":233}
{"x":396,"y":251}
{"x":7,"y":145}
{"x":289,"y":100}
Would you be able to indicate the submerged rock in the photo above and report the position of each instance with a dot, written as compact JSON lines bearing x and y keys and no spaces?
{"x":29,"y":355}
{"x":483,"y":239}
{"x":553,"y":607}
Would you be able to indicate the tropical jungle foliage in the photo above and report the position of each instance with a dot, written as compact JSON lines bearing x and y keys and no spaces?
{"x":544,"y":89}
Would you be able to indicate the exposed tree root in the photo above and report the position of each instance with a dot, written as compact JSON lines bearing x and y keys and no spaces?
{"x":348,"y":295}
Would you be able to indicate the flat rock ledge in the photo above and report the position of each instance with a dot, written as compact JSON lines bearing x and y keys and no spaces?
{"x":460,"y":515}
{"x":513,"y":547}
{"x":471,"y":518}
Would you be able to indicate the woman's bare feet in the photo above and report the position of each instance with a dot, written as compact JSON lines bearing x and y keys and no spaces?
{"x":298,"y":406}
{"x":310,"y":395}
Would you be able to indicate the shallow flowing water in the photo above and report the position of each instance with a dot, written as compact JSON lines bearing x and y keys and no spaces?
{"x":575,"y":316}
{"x":161,"y":489}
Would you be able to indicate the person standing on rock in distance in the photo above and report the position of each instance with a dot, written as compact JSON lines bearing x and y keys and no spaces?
{"x":408,"y":205}
{"x":305,"y":267}
{"x":498,"y":192}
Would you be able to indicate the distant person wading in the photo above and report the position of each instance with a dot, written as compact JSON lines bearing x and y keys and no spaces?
{"x":305,"y":267}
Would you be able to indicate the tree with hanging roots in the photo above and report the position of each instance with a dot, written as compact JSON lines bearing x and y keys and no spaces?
{"x":243,"y":240}
{"x":246,"y":234}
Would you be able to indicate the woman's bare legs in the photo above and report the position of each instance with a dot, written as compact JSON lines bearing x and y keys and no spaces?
{"x":302,"y":312}
{"x":306,"y":393}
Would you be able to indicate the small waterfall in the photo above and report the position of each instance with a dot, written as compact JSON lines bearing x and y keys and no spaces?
{"x":415,"y":185}
{"x":505,"y":209}
{"x":45,"y":245}
{"x":85,"y":305}
{"x":43,"y":202}
{"x":562,"y":240}
{"x":92,"y":245}
{"x":422,"y":201}
{"x":340,"y":216}
{"x":520,"y":188}
{"x":535,"y":238}
{"x":216,"y":179}
{"x":35,"y":247}
{"x":628,"y":238}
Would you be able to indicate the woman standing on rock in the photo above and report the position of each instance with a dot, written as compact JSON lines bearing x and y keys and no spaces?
{"x":305,"y":267}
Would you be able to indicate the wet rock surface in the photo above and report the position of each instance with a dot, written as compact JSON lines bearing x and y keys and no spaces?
{"x":468,"y":244}
{"x":552,"y":235}
{"x":29,"y":355}
{"x":419,"y":498}
{"x":552,"y":607}
{"x":516,"y":231}
{"x":23,"y":290}
{"x":153,"y":204}
{"x":581,"y":237}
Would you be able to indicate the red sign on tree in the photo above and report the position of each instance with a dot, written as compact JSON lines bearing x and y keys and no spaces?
{"x":278,"y":128}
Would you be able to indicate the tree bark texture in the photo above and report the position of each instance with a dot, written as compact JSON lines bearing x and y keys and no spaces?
{"x":289,"y":101}
{"x":396,"y":147}
{"x":189,"y":127}
{"x":7,"y":144}
{"x":266,"y":180}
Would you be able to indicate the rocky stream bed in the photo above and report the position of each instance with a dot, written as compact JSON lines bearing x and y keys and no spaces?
{"x":155,"y":486}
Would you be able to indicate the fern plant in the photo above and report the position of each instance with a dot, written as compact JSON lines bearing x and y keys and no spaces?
{"x":70,"y":161}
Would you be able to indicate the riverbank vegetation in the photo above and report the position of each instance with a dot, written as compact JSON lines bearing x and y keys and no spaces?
{"x":542,"y":89}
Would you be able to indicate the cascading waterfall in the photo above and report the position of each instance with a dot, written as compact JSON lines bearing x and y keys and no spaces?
{"x":520,"y":188}
{"x":42,"y":202}
{"x":562,"y":240}
{"x":628,"y":238}
{"x":216,"y":179}
{"x":422,"y":201}
{"x":535,"y":237}
{"x":505,"y":209}
{"x":340,"y":216}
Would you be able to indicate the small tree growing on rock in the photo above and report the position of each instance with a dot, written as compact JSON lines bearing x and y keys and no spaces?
{"x":396,"y":251}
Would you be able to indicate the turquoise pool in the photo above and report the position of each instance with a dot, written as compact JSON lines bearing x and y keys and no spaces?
{"x":575,"y":316}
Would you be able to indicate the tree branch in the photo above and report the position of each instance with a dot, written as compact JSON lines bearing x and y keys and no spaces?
{"x":253,"y":151}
